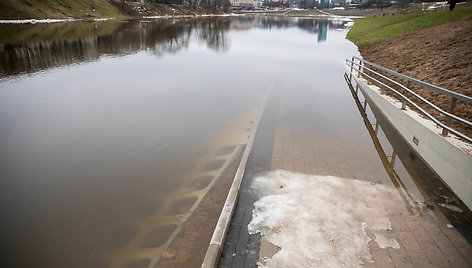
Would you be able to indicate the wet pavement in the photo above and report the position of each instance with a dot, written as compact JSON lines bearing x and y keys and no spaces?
{"x":296,"y":140}
{"x":118,"y":138}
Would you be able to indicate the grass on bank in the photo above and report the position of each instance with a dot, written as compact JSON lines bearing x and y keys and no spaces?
{"x":374,"y":29}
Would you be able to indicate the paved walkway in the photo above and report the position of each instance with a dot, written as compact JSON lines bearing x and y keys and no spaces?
{"x":292,"y":136}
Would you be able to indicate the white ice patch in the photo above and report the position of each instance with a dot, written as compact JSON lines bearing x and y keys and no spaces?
{"x":320,"y":221}
{"x":33,"y":21}
{"x":451,"y":207}
{"x":194,"y":16}
{"x":104,"y":19}
{"x":385,"y":242}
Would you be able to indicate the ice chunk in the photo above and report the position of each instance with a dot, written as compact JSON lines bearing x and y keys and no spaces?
{"x":320,"y":221}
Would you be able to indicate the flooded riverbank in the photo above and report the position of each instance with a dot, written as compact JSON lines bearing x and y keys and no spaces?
{"x":108,"y":128}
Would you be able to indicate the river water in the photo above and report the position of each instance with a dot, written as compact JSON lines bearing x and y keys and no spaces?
{"x":103,"y":124}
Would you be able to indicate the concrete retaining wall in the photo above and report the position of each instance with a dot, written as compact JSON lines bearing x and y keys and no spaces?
{"x":451,"y":163}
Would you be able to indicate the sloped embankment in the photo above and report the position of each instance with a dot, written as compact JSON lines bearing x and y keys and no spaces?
{"x":55,"y":9}
{"x":439,"y":54}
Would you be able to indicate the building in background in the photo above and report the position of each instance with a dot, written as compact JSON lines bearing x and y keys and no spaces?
{"x":257,"y":3}
{"x":324,"y":3}
{"x":242,"y":3}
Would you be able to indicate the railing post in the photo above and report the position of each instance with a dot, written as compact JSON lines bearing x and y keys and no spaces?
{"x":360,"y":69}
{"x":352,"y":65}
{"x":382,"y":89}
{"x":392,"y":160}
{"x":405,"y":93}
{"x":452,"y":105}
{"x":367,"y":78}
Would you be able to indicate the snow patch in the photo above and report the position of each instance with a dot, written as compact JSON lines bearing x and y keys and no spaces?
{"x":320,"y":221}
{"x":451,"y":207}
{"x":385,"y":242}
{"x":33,"y":21}
{"x":104,"y":19}
{"x":194,"y":16}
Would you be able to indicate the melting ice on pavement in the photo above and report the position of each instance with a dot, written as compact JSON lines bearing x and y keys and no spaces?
{"x":321,"y":221}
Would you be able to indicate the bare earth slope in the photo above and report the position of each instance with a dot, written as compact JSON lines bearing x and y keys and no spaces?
{"x":440,"y":55}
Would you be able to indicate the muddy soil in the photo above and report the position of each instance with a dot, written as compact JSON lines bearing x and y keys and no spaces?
{"x":440,"y":55}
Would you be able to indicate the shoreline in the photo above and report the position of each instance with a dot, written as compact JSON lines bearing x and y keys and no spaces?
{"x":35,"y":21}
{"x":51,"y":20}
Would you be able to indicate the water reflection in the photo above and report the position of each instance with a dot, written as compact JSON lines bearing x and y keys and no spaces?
{"x":322,"y":31}
{"x":128,"y":121}
{"x":29,"y":48}
{"x":417,"y":184}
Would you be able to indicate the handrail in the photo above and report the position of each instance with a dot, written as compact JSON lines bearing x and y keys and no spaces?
{"x":417,"y":95}
{"x":419,"y":82}
{"x":454,"y":96}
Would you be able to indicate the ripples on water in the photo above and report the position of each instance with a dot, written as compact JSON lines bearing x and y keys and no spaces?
{"x":103,"y":125}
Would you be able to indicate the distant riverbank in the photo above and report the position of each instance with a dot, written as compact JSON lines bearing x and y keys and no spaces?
{"x":432,"y":47}
{"x":98,"y":9}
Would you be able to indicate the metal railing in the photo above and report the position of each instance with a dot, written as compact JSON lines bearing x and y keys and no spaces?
{"x":366,"y":70}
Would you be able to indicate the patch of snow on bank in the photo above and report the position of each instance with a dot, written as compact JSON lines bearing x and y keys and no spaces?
{"x":33,"y":21}
{"x":320,"y":221}
{"x":104,"y":19}
{"x":193,"y":16}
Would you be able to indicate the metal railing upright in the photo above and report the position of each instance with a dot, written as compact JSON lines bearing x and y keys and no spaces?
{"x":367,"y":70}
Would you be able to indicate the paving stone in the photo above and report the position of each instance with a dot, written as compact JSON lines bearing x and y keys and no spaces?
{"x":214,"y":165}
{"x":287,"y":164}
{"x":467,"y":253}
{"x":400,"y":257}
{"x":382,"y":259}
{"x":428,"y":245}
{"x":455,"y":237}
{"x":419,"y":259}
{"x":409,"y":242}
{"x":299,"y":166}
{"x":458,"y":262}
{"x":158,"y":236}
{"x":441,"y":240}
{"x":398,"y":223}
{"x":233,"y":234}
{"x":238,"y":215}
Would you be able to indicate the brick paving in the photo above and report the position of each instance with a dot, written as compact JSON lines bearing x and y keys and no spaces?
{"x":305,"y":145}
{"x":242,"y":249}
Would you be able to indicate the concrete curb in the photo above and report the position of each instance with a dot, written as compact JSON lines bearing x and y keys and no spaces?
{"x":452,"y":164}
{"x":215,"y":248}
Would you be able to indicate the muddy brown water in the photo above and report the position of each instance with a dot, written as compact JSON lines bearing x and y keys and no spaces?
{"x":112,"y":132}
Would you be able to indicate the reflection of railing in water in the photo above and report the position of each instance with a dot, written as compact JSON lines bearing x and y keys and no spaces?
{"x":431,"y":187}
{"x":389,"y":165}
{"x":361,"y":68}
